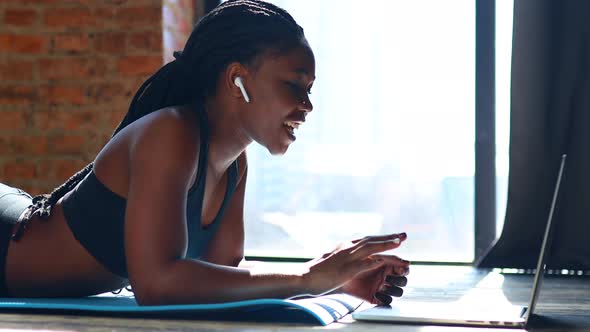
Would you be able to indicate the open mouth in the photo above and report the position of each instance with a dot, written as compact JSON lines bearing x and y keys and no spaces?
{"x":290,"y":126}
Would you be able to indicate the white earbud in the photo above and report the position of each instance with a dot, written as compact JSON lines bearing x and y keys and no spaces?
{"x":238,"y":82}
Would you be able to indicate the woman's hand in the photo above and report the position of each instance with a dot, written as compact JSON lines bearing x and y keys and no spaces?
{"x":379,"y":285}
{"x":356,"y":267}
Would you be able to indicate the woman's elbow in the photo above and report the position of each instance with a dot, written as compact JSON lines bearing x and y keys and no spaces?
{"x":149,"y":293}
{"x":152,"y":288}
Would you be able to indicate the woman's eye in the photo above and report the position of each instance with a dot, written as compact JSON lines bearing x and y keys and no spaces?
{"x":297,"y":88}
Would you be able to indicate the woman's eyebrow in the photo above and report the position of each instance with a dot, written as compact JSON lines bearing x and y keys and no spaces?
{"x":304,"y":72}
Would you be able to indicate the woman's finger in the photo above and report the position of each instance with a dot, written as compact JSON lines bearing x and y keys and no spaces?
{"x":401,"y":270}
{"x":392,"y":260}
{"x":401,"y":236}
{"x":366,"y":249}
{"x":382,"y":298}
{"x":396,"y":280}
{"x":365,"y":265}
{"x":392,"y":290}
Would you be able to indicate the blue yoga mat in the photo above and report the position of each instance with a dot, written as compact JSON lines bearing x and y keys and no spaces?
{"x":321,"y":310}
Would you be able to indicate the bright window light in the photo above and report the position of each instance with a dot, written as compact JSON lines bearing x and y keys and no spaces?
{"x":504,"y":14}
{"x":389,"y":146}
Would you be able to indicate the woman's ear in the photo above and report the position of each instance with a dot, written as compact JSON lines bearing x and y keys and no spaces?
{"x":236,"y":81}
{"x":240,"y":84}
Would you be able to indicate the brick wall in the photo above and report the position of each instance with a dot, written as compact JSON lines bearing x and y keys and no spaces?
{"x":68,"y":70}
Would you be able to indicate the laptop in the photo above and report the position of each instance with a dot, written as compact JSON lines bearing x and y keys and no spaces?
{"x":482,"y":315}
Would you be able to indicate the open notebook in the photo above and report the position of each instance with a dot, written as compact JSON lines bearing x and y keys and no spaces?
{"x":321,"y":310}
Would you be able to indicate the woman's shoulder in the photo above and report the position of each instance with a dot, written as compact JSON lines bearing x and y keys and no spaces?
{"x":180,"y":118}
{"x":170,"y":123}
{"x":172,"y":130}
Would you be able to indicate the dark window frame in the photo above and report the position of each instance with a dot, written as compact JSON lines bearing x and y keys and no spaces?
{"x":485,"y":126}
{"x":485,"y":129}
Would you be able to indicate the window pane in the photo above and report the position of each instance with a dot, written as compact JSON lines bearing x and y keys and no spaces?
{"x":504,"y":15}
{"x":389,"y":146}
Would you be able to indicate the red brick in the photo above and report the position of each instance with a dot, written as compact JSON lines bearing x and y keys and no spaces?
{"x":5,"y":146}
{"x":116,"y":116}
{"x":115,"y":2}
{"x":139,"y":65}
{"x":20,"y":3}
{"x":107,"y":16}
{"x":21,"y":43}
{"x":84,"y":3}
{"x":42,"y":177}
{"x":23,"y":144}
{"x":17,"y":94}
{"x":61,"y":94}
{"x":71,"y":43}
{"x":110,"y":42}
{"x":104,"y":67}
{"x":63,"y":120}
{"x":53,"y":3}
{"x":106,"y":92}
{"x":146,"y":41}
{"x":19,"y":169}
{"x":16,"y":70}
{"x":34,"y":189}
{"x":59,"y":169}
{"x":13,"y":120}
{"x":20,"y":17}
{"x":141,"y":17}
{"x":6,"y":42}
{"x":69,"y":18}
{"x":64,"y":169}
{"x":68,"y":144}
{"x":46,"y":168}
{"x":65,"y":68}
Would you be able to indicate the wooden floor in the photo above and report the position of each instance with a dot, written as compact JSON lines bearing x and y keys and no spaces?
{"x":564,"y":305}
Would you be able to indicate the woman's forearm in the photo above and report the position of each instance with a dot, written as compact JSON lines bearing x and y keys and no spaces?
{"x":194,"y":281}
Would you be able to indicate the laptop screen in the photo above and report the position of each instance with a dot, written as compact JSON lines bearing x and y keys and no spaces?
{"x":542,"y":264}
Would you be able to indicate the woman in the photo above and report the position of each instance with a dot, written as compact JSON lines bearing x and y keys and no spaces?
{"x":161,"y":206}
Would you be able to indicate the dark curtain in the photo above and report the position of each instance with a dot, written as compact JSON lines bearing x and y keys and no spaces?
{"x":550,"y":115}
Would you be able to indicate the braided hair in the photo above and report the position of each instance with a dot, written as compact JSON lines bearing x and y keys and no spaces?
{"x":234,"y":31}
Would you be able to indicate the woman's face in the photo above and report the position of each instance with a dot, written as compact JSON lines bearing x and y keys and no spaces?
{"x":279,"y":88}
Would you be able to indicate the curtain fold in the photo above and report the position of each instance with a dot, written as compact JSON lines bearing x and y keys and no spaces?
{"x":550,"y":115}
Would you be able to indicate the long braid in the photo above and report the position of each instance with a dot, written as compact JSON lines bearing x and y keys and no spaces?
{"x":234,"y":31}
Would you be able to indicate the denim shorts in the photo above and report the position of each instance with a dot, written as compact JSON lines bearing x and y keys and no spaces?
{"x":13,"y":202}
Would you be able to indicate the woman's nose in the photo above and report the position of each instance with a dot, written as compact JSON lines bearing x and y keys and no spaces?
{"x":306,"y":104}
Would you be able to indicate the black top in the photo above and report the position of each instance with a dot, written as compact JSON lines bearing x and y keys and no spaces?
{"x":96,"y":215}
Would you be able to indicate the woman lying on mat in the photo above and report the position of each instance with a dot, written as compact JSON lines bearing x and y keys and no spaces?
{"x":161,"y":206}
